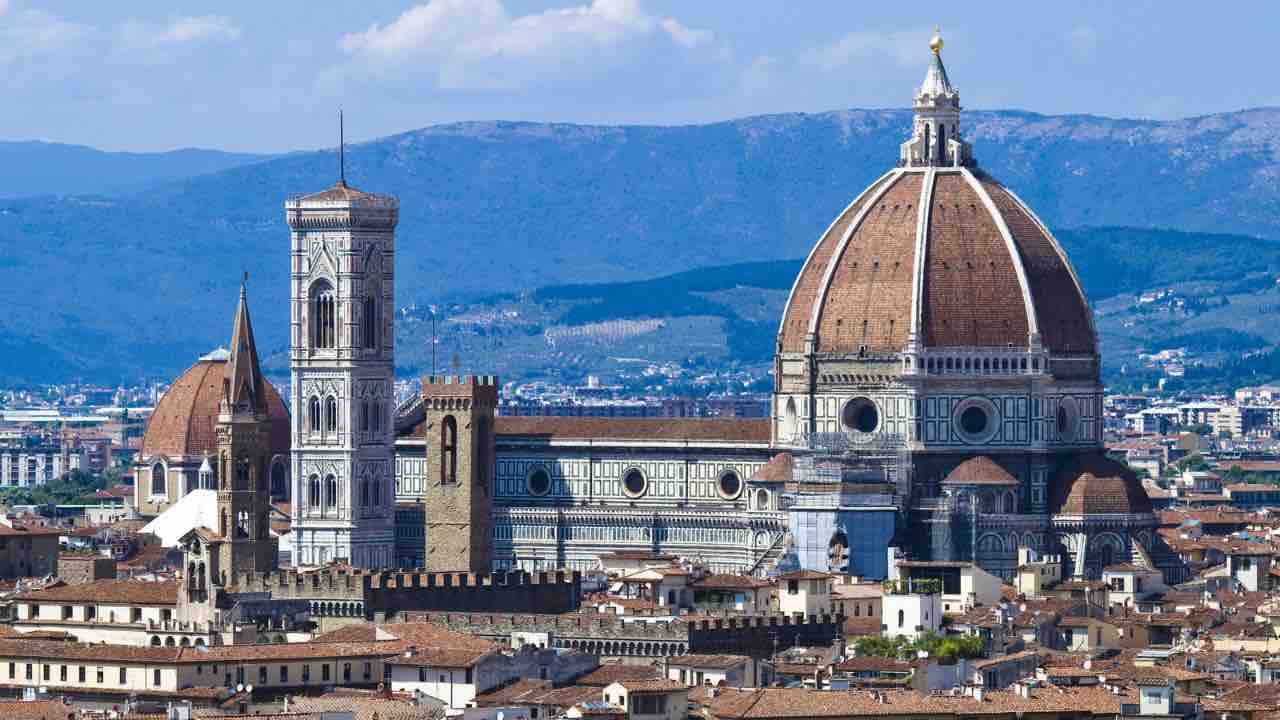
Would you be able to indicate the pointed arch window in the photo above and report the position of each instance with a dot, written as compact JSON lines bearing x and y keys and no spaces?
{"x":372,"y":319}
{"x":330,"y":414}
{"x":313,"y":492}
{"x":313,"y":414}
{"x":330,"y":492}
{"x":158,"y":484}
{"x":324,"y":325}
{"x":449,"y":450}
{"x":364,"y":416}
{"x":364,"y":493}
{"x":376,"y":492}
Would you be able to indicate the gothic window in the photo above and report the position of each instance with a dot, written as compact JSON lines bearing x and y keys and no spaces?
{"x":263,"y":526}
{"x":324,"y":325}
{"x":449,"y":450}
{"x":157,"y":480}
{"x":242,"y":524}
{"x":313,"y":492}
{"x":377,"y":492}
{"x":279,"y":479}
{"x":330,"y":492}
{"x":364,"y":417}
{"x":242,"y":475}
{"x":313,"y":414}
{"x":364,"y":493}
{"x":372,"y":319}
{"x":222,"y":524}
{"x":330,"y":414}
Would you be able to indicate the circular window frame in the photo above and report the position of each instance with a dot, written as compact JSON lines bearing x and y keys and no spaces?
{"x":726,"y":472}
{"x":993,"y":420}
{"x":528,"y":480}
{"x":861,"y":401}
{"x":1067,"y":419}
{"x":644,"y":489}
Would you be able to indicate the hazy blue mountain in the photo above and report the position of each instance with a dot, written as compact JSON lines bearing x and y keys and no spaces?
{"x":140,"y":283}
{"x":40,"y":168}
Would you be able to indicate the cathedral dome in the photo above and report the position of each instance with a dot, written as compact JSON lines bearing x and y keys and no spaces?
{"x":936,"y":254}
{"x":1095,"y":484}
{"x":183,"y":421}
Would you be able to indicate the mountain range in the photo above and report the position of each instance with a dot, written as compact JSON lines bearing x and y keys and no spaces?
{"x":117,"y":282}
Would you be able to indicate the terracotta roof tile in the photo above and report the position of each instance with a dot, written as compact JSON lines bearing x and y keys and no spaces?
{"x":135,"y":592}
{"x":979,"y":470}
{"x":1096,"y":484}
{"x":704,"y":429}
{"x":183,"y":421}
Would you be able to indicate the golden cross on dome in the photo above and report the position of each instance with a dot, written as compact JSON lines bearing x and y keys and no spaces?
{"x":935,"y":42}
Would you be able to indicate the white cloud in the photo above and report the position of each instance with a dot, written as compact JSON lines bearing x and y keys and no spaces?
{"x":34,"y":32}
{"x":905,"y":48}
{"x":477,"y":43}
{"x":145,"y":36}
{"x":1083,"y":39}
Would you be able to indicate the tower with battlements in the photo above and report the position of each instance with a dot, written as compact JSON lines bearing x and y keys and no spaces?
{"x":341,"y":354}
{"x":458,"y":427}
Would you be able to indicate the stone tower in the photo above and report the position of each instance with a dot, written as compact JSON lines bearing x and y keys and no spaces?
{"x":458,"y":499}
{"x":341,"y":352}
{"x":244,"y":455}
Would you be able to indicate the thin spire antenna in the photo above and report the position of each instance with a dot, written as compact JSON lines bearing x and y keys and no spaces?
{"x":342,"y":151}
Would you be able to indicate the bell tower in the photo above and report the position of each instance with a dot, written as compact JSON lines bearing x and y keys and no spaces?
{"x":458,"y":497}
{"x":244,"y":452}
{"x":342,"y":347}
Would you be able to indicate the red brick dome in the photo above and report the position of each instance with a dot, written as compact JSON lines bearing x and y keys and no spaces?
{"x":973,"y":267}
{"x":1094,"y":484}
{"x":183,"y":421}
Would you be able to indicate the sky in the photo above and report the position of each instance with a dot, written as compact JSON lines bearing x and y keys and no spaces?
{"x":269,"y":75}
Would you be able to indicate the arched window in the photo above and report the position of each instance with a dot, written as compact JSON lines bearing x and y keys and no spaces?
{"x":377,"y":492}
{"x":313,"y":491}
{"x":324,"y":318}
{"x":449,"y":450}
{"x":902,"y":618}
{"x":364,"y":416}
{"x":926,"y":141}
{"x":330,"y":491}
{"x":372,"y":319}
{"x":313,"y":414}
{"x":242,"y":475}
{"x":942,"y":143}
{"x":158,"y":484}
{"x":364,"y":493}
{"x":279,"y":479}
{"x":330,"y":414}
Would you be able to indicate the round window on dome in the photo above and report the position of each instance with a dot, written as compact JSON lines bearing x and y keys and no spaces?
{"x":539,"y":481}
{"x":729,"y":485}
{"x":973,"y":420}
{"x":861,"y":415}
{"x":634,"y":483}
{"x":976,"y":420}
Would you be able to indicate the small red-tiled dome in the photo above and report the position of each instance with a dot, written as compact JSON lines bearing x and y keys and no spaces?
{"x":1094,"y":484}
{"x":975,"y":269}
{"x":979,"y":470}
{"x":184,"y":419}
